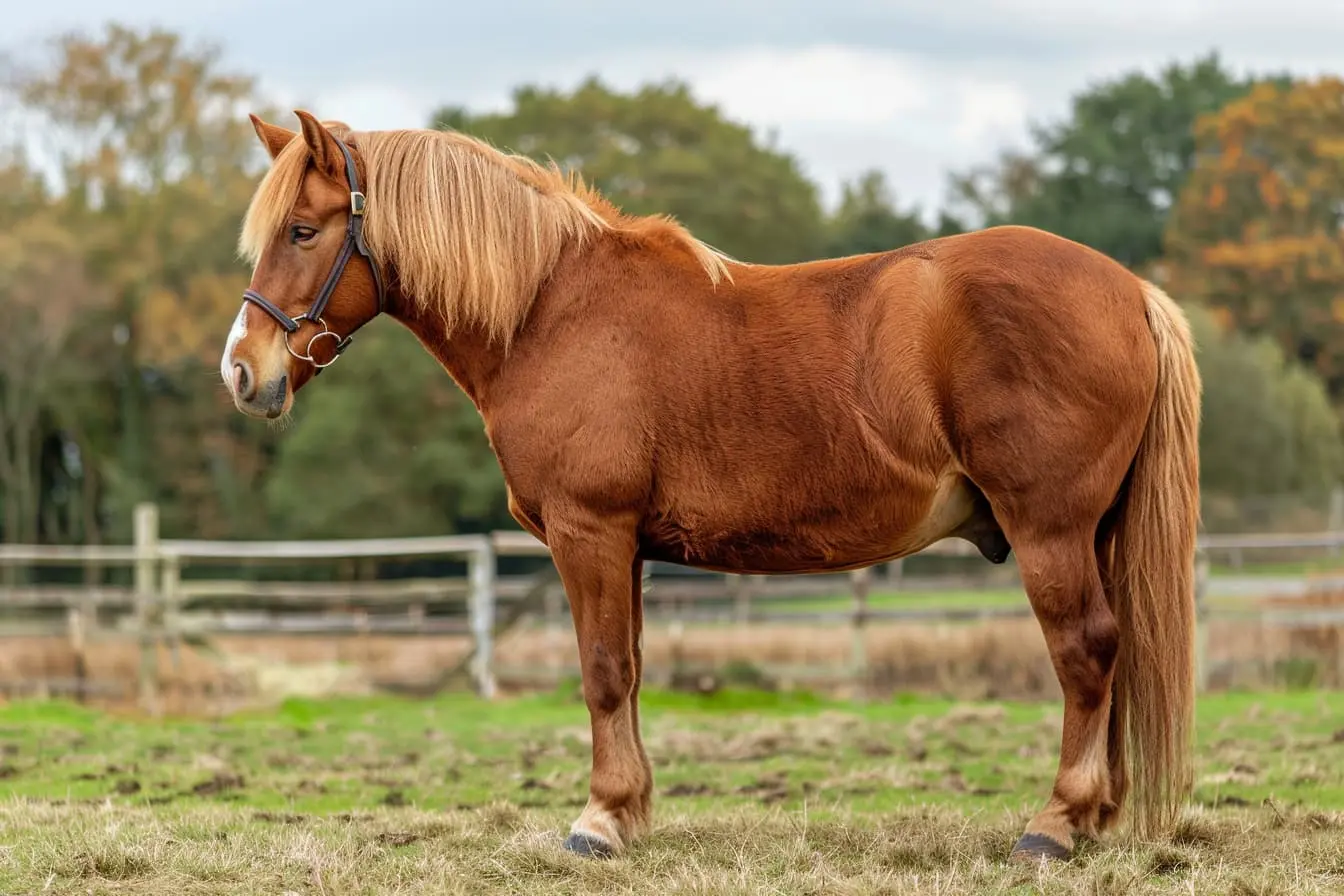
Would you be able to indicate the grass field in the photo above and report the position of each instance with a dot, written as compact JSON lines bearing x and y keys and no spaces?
{"x":883,"y":597}
{"x":756,"y":793}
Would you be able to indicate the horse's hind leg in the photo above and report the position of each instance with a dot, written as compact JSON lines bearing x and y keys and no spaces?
{"x":1050,"y":489}
{"x":1063,"y":582}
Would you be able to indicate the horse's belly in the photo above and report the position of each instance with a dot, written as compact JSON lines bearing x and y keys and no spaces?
{"x":825,"y":534}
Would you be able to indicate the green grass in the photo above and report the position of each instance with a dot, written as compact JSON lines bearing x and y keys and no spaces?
{"x":1317,"y":566}
{"x":950,"y":599}
{"x":935,"y":600}
{"x":883,"y":598}
{"x":754,"y":792}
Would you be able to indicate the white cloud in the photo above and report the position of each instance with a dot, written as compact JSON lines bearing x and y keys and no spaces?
{"x":825,"y":84}
{"x":846,"y":109}
{"x":989,"y":111}
{"x":368,"y":106}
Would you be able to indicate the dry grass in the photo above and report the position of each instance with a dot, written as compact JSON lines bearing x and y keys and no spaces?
{"x":64,"y":848}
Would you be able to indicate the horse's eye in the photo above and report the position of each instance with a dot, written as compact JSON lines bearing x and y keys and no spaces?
{"x":301,"y":234}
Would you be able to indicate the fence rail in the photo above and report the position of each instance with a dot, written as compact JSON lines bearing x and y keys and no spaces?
{"x":164,"y":603}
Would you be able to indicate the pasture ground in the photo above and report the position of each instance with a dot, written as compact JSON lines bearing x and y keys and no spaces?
{"x":755,"y":793}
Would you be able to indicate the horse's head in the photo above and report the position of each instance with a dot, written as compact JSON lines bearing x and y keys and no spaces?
{"x":314,"y":282}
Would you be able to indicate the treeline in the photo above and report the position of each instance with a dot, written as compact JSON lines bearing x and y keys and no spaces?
{"x":118,"y":279}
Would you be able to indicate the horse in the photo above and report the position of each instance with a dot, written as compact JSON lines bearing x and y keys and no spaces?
{"x":650,"y":398}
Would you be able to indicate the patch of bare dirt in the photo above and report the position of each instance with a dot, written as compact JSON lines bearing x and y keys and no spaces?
{"x":219,"y":782}
{"x":772,"y":788}
{"x":690,"y":789}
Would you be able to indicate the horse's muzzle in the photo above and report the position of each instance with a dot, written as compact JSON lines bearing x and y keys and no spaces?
{"x":260,"y":400}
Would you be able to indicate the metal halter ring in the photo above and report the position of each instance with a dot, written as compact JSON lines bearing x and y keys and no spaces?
{"x":316,"y":336}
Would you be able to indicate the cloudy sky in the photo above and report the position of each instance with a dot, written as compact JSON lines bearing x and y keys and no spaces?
{"x":915,"y":87}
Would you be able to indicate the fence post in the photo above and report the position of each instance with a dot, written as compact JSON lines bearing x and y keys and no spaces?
{"x":553,"y":611}
{"x":146,"y":530}
{"x":75,"y":628}
{"x":170,"y":597}
{"x":741,"y":587}
{"x":1201,"y":621}
{"x":1336,"y":520}
{"x":481,"y":609}
{"x":860,"y":579}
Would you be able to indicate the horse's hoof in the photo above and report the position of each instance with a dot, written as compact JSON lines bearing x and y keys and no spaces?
{"x":590,"y":846}
{"x":1034,"y":847}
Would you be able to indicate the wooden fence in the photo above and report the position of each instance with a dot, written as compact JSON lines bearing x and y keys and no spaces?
{"x":163,"y":602}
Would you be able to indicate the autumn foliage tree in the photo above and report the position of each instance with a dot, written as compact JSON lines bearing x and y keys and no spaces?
{"x":1256,"y":234}
{"x":154,"y":144}
{"x":156,"y":162}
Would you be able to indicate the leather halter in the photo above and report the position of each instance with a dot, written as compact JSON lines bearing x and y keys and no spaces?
{"x":354,"y":242}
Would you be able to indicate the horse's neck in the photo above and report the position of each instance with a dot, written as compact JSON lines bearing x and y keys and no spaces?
{"x":469,"y":358}
{"x":473,"y":359}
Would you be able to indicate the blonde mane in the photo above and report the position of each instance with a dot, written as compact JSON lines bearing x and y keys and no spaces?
{"x":471,"y":231}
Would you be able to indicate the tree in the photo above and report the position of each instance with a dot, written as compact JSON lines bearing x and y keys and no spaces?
{"x":1267,"y":424}
{"x":388,"y":446}
{"x":867,"y":219}
{"x":155,"y":149}
{"x":658,"y":151}
{"x":45,"y":295}
{"x":157,"y":160}
{"x":1257,"y":231}
{"x":1108,"y":174}
{"x":129,"y":111}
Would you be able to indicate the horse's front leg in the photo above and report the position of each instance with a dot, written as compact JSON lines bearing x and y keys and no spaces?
{"x":596,"y":561}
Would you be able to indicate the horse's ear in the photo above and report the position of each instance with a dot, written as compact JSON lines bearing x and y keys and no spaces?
{"x":326,"y":154}
{"x":272,"y":136}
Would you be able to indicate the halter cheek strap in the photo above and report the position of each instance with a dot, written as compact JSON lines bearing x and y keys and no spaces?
{"x":354,"y":242}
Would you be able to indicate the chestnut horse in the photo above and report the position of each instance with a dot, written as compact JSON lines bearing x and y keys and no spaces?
{"x":649,"y":398}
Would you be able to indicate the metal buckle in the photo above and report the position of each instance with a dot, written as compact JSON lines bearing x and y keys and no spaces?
{"x":357,"y":203}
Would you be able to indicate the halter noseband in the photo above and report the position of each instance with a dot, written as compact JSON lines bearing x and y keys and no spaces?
{"x":354,"y":242}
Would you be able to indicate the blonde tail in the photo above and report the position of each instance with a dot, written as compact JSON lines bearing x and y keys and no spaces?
{"x":1151,"y":585}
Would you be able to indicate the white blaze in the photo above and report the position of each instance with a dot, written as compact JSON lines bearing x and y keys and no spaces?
{"x":238,"y":331}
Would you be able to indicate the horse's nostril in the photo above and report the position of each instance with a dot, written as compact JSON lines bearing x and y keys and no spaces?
{"x":242,"y":381}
